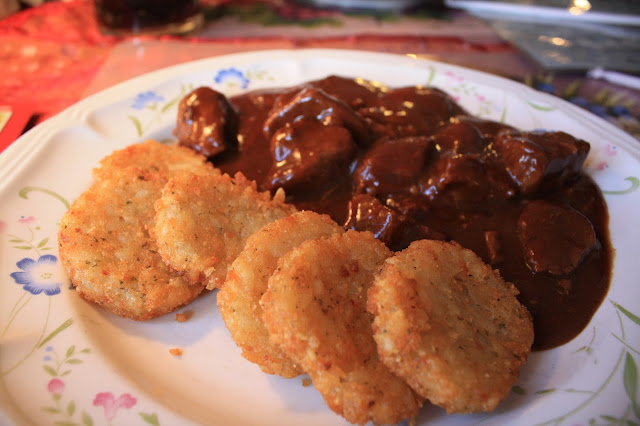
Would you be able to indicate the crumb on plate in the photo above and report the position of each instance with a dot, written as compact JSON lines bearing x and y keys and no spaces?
{"x":183,"y":316}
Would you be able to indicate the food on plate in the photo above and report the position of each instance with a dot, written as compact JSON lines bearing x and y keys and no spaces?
{"x":570,"y":233}
{"x":315,"y":309}
{"x":175,"y":351}
{"x":180,"y":317}
{"x":203,"y":221}
{"x":449,"y":325}
{"x":246,"y":282}
{"x":409,"y":163}
{"x":104,"y":241}
{"x":210,"y":122}
{"x":168,"y":160}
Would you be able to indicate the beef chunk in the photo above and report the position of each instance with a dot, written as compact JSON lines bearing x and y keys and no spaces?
{"x":354,"y":92}
{"x":368,"y":213}
{"x":539,"y":161}
{"x":309,"y":154}
{"x":392,"y":223}
{"x":554,"y":239}
{"x":207,"y":123}
{"x":459,"y":137}
{"x":487,"y":128}
{"x":314,"y":104}
{"x":411,"y":111}
{"x":392,"y":166}
{"x":471,"y":177}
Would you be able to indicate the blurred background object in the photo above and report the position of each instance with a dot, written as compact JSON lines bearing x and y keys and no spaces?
{"x":135,"y":17}
{"x":395,"y":5}
{"x":572,"y":35}
{"x":7,"y":7}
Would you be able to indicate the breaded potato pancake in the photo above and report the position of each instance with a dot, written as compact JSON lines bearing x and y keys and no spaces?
{"x":450,"y":326}
{"x":239,"y":298}
{"x":315,"y":309}
{"x":151,"y":155}
{"x":107,"y":251}
{"x":203,"y":221}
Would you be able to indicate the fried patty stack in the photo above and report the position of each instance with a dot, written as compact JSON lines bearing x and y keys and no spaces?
{"x":378,"y":332}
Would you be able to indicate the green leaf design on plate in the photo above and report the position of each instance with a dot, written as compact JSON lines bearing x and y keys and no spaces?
{"x":542,"y":108}
{"x":151,"y":419}
{"x":27,"y":189}
{"x":630,"y":379}
{"x":136,"y":123}
{"x":432,"y":74}
{"x":635,"y":184}
{"x":629,"y":315}
{"x":613,"y":420}
{"x":171,"y":103}
{"x":55,"y":332}
{"x":50,"y":370}
{"x":86,"y":419}
{"x":503,"y":116}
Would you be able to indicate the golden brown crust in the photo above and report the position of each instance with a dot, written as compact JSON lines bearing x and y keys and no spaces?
{"x":104,"y":240}
{"x":315,"y":309}
{"x":203,"y":221}
{"x":167,"y":160}
{"x":239,"y":298}
{"x":108,"y":253}
{"x":449,"y":325}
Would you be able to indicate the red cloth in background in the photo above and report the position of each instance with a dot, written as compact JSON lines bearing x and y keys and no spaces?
{"x":50,"y":54}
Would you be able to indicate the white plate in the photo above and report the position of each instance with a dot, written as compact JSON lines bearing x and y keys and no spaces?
{"x":65,"y":361}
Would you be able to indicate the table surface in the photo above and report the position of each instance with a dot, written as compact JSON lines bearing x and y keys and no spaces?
{"x":57,"y":51}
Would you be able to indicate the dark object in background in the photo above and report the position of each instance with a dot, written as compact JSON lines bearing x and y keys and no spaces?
{"x":127,"y":17}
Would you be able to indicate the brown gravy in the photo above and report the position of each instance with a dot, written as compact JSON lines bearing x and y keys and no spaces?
{"x":410,"y":163}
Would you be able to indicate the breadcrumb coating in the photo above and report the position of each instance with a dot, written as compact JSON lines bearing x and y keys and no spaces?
{"x":315,"y":309}
{"x":203,"y":221}
{"x":239,"y":298}
{"x":450,"y":326}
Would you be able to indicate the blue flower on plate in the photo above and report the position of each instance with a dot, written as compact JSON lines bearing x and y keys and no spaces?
{"x":232,"y":77}
{"x":39,"y":275}
{"x":145,"y":98}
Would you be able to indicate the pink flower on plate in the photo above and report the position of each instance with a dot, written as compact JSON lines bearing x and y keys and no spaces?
{"x":453,"y":76}
{"x":55,"y":386}
{"x":610,"y":149}
{"x":27,"y":220}
{"x":112,"y":405}
{"x":602,"y":165}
